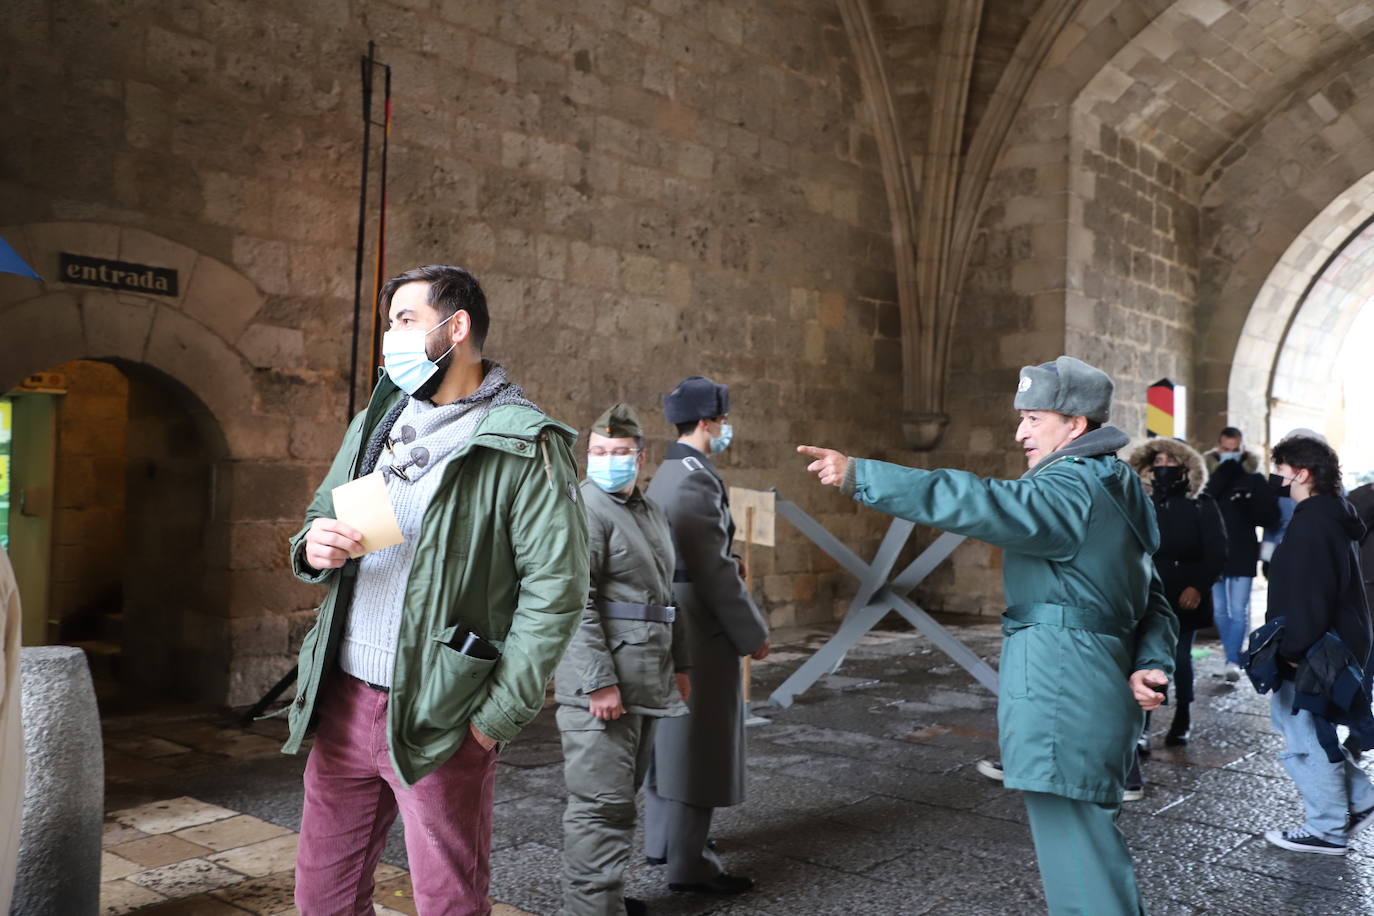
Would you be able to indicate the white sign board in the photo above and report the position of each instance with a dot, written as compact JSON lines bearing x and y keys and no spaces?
{"x":761,"y":501}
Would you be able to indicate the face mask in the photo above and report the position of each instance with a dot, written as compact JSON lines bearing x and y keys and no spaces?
{"x":403,"y":354}
{"x":722,"y":442}
{"x":1166,"y":478}
{"x":1228,"y":456}
{"x":611,"y":473}
{"x":1280,"y":487}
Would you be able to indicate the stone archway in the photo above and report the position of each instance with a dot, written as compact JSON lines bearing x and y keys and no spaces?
{"x":1297,"y":187}
{"x":211,"y":349}
{"x":1278,"y":377}
{"x":1099,"y":232}
{"x":1304,"y":389}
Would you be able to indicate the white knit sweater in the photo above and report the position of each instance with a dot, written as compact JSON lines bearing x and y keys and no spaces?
{"x":368,"y":651}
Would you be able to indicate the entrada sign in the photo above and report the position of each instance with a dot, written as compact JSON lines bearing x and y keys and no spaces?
{"x":134,"y":278}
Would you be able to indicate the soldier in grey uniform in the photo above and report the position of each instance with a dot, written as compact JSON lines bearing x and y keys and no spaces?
{"x":624,"y":669}
{"x":699,"y":758}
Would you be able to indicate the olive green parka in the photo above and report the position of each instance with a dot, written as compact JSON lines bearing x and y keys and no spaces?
{"x":502,"y":551}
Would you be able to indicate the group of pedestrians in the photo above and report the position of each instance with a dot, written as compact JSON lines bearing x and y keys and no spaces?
{"x":430,"y":655}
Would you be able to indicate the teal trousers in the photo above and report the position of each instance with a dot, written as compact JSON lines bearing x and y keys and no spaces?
{"x":1085,"y":865}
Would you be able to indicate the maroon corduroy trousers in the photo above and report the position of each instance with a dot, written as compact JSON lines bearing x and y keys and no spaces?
{"x":352,"y":796}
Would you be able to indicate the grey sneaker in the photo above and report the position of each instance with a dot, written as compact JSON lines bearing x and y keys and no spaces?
{"x":990,"y":768}
{"x":1232,"y":673}
{"x":1300,"y":840}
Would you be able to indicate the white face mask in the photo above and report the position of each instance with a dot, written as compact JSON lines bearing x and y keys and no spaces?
{"x":612,"y":473}
{"x":406,"y":359}
{"x":722,"y":442}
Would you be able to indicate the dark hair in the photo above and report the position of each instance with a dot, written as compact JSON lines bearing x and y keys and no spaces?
{"x":1093,"y":425}
{"x":1315,"y":457}
{"x":1230,"y":432}
{"x":451,"y":289}
{"x":687,"y":427}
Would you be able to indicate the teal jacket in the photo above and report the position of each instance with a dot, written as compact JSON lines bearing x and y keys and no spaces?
{"x":502,"y":550}
{"x":1085,"y":607}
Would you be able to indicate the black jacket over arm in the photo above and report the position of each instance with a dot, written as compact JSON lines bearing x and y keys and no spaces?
{"x":1315,"y":582}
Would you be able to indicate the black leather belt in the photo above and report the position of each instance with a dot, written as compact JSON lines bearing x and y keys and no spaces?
{"x":371,"y":685}
{"x":620,"y":610}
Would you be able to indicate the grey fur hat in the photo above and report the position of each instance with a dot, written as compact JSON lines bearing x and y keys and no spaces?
{"x":1068,"y":386}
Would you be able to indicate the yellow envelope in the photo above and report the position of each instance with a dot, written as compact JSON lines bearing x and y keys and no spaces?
{"x":363,"y":504}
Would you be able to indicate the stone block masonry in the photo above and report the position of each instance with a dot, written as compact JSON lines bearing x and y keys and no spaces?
{"x":647,"y":190}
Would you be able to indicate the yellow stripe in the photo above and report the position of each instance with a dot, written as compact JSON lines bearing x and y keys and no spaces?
{"x":1157,"y":422}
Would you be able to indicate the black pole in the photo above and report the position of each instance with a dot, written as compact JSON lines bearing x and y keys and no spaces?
{"x":270,"y":696}
{"x":381,"y":216}
{"x":367,"y":63}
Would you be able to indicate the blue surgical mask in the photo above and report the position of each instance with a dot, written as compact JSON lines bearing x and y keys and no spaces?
{"x":722,"y":442}
{"x":611,"y":473}
{"x":1228,"y":456}
{"x":405,"y":358}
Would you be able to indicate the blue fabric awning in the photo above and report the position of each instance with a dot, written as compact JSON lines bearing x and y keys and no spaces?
{"x":11,"y":263}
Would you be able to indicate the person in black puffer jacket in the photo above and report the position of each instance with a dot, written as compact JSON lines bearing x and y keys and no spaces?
{"x":1191,"y":554}
{"x":1317,"y":588}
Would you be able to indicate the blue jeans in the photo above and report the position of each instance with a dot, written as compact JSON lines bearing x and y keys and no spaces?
{"x":1330,"y":791}
{"x":1231,"y":613}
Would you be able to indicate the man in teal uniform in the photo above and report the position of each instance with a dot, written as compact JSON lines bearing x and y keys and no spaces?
{"x":1089,"y":632}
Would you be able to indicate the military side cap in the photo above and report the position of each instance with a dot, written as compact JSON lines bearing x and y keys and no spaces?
{"x":618,"y":422}
{"x":696,"y":398}
{"x":1068,"y":386}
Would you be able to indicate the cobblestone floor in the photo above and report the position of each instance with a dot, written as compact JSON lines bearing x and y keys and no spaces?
{"x":863,"y":799}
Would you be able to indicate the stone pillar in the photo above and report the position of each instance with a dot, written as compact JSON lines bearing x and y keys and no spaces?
{"x":64,"y":786}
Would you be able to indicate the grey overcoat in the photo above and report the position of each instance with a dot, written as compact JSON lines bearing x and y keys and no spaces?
{"x":699,"y":758}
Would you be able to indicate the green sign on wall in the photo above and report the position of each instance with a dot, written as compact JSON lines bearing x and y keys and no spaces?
{"x":6,"y":424}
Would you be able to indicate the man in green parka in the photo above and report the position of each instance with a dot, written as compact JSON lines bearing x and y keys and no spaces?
{"x":1089,"y":632}
{"x":429,"y":655}
{"x":625,"y":669}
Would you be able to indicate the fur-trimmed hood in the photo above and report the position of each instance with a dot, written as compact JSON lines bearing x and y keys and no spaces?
{"x":1248,"y":460}
{"x":1143,"y":456}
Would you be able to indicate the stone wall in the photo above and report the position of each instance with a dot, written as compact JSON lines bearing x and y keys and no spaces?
{"x":88,"y":509}
{"x":648,"y":190}
{"x":1135,"y":249}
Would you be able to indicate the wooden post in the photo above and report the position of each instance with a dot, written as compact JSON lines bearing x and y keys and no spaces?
{"x":749,"y":585}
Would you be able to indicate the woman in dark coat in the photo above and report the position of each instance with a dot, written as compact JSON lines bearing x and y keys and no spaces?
{"x":1191,"y":555}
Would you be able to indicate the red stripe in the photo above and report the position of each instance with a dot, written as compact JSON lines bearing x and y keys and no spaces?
{"x":1161,"y":397}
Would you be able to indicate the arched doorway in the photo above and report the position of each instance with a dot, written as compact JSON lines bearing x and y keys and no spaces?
{"x":1293,"y":358}
{"x":227,"y":429}
{"x":117,"y":553}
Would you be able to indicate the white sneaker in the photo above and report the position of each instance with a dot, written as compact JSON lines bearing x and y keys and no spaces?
{"x":990,"y":768}
{"x":1133,"y":793}
{"x":1232,"y":673}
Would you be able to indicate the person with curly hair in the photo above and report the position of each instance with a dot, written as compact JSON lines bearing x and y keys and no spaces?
{"x":1316,"y":591}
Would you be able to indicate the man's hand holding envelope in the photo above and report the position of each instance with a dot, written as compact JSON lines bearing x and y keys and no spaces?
{"x":365,"y":523}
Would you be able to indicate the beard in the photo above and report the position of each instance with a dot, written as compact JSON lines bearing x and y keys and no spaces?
{"x":434,"y":352}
